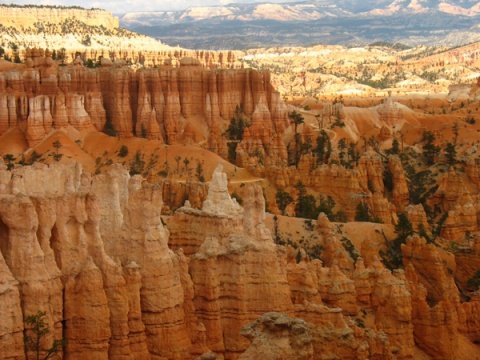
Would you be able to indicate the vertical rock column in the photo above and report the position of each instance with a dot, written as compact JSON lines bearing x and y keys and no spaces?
{"x":238,"y":275}
{"x":40,"y":290}
{"x":11,"y":326}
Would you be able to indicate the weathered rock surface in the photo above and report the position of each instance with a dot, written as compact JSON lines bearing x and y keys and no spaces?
{"x":276,"y":336}
{"x":155,"y":103}
{"x":92,"y":251}
{"x":11,"y":330}
{"x":436,"y":311}
{"x":235,"y":267}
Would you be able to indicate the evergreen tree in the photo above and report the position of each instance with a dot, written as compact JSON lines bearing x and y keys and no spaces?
{"x":137,"y":164}
{"x":186,"y":162}
{"x":392,"y":258}
{"x":283,"y":199}
{"x":388,"y":178}
{"x":306,"y":206}
{"x":123,"y":152}
{"x":296,"y":119}
{"x":143,"y":132}
{"x":109,"y":128}
{"x":234,"y":133}
{"x":474,"y":281}
{"x":237,"y":126}
{"x":451,"y":153}
{"x":342,"y":146}
{"x":57,"y":145}
{"x":395,"y":149}
{"x":429,"y":148}
{"x":199,"y":172}
{"x":403,"y":228}
{"x":326,"y":206}
{"x":323,"y":150}
{"x":362,"y":212}
{"x":353,"y":153}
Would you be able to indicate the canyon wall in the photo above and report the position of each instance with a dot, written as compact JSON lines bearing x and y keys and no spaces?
{"x":93,"y":253}
{"x":189,"y":104}
{"x":162,"y":103}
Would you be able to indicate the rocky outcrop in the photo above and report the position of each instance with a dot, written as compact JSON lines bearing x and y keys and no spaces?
{"x":143,"y":304}
{"x":467,"y":259}
{"x":435,"y":299}
{"x":335,"y":335}
{"x":87,"y":314}
{"x":276,"y":336}
{"x":348,"y":187}
{"x":117,"y":284}
{"x":138,"y":228}
{"x":392,"y":300}
{"x":221,"y":220}
{"x":11,"y":330}
{"x":400,"y":193}
{"x":417,"y":217}
{"x":460,"y":220}
{"x":450,"y":191}
{"x":390,"y":112}
{"x":231,"y":240}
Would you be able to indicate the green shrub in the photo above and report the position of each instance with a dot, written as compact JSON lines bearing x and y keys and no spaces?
{"x":123,"y":152}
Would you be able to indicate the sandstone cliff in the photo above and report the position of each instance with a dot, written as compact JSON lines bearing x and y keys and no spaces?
{"x":92,"y":251}
{"x":162,"y":103}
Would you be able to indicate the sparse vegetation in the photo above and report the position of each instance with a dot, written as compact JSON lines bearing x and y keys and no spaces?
{"x":283,"y":199}
{"x":10,"y":160}
{"x":109,"y":129}
{"x":40,"y":330}
{"x":57,"y":145}
{"x":199,"y":172}
{"x":123,"y":152}
{"x":234,"y":133}
{"x":137,"y":164}
{"x":474,"y":282}
{"x":392,"y":258}
{"x":350,"y":248}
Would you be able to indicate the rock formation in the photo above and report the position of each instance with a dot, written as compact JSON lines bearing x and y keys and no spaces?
{"x":276,"y":336}
{"x":155,"y":103}
{"x":390,"y":112}
{"x":230,"y":240}
{"x":117,"y":284}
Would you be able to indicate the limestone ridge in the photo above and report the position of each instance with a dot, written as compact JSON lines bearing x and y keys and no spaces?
{"x":29,"y":16}
{"x":93,"y":33}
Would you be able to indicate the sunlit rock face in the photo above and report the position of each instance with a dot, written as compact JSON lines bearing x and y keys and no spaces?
{"x":93,"y":252}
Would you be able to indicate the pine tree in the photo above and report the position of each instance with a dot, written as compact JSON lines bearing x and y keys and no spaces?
{"x":283,"y":199}
{"x":296,"y":119}
{"x":40,"y":330}
{"x":451,"y":153}
{"x":429,"y":148}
